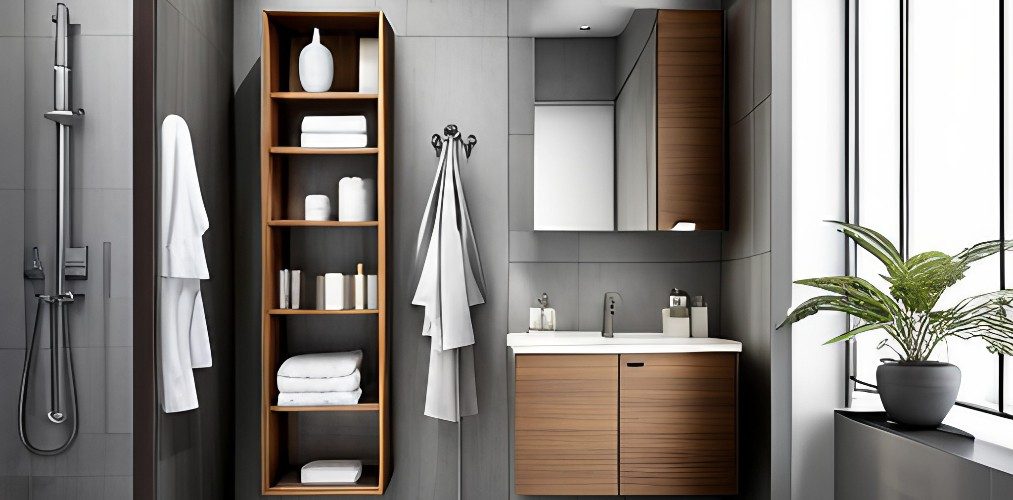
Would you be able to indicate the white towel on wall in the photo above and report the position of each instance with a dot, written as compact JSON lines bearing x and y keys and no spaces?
{"x":183,"y":341}
{"x":321,"y":365}
{"x":319,"y":398}
{"x":328,"y":384}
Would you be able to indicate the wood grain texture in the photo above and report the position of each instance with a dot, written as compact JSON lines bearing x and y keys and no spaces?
{"x":566,"y":425}
{"x":284,"y":34}
{"x":691,"y":119}
{"x":677,"y":431}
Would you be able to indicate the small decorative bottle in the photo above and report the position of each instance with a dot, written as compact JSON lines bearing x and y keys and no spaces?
{"x":316,"y":66}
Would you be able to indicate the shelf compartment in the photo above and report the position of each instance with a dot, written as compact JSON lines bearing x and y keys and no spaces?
{"x":296,"y":150}
{"x":321,"y":312}
{"x":320,"y":223}
{"x":324,"y":96}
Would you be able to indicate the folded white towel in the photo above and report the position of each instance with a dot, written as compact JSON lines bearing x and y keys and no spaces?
{"x":331,"y":472}
{"x":321,"y":365}
{"x":319,"y":398}
{"x":322,"y":140}
{"x":329,"y":384}
{"x":335,"y":124}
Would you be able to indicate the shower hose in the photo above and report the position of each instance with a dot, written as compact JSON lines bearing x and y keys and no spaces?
{"x":57,"y":306}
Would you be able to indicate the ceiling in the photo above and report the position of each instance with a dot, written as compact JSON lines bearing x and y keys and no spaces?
{"x":562,"y":18}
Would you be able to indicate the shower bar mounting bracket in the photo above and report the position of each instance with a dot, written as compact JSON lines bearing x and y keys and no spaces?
{"x":68,"y":118}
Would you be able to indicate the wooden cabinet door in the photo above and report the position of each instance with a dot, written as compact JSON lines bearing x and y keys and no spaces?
{"x":691,"y":119}
{"x":566,"y":424}
{"x":677,"y":424}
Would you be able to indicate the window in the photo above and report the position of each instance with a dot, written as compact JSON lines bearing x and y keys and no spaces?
{"x":928,"y":149}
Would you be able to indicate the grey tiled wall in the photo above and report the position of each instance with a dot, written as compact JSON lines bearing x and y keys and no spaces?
{"x":98,"y":465}
{"x":746,"y":249}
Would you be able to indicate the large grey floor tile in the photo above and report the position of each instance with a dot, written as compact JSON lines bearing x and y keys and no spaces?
{"x":739,"y":27}
{"x":522,"y":159}
{"x":15,"y":460}
{"x":645,"y":289}
{"x":457,"y":18}
{"x":12,"y":110}
{"x":522,"y":85}
{"x":96,"y":17}
{"x":13,"y":292}
{"x":654,"y":246}
{"x":543,"y":246}
{"x":529,"y":280}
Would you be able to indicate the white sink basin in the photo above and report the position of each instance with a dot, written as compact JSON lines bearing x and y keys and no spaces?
{"x":620,"y":343}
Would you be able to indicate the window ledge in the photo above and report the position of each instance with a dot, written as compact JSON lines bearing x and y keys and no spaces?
{"x":983,"y":450}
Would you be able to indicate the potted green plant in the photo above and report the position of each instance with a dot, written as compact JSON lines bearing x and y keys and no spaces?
{"x":914,"y":389}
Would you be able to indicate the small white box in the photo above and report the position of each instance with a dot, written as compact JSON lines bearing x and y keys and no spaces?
{"x":331,"y":472}
{"x":334,"y":291}
{"x":698,"y":321}
{"x":369,"y":65}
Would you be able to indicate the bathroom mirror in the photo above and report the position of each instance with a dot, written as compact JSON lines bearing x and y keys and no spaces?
{"x":627,"y":114}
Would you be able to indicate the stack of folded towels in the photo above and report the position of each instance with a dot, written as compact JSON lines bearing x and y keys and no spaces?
{"x":333,"y":132}
{"x":320,"y":379}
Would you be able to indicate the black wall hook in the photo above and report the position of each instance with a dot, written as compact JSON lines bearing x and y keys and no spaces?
{"x":451,"y":131}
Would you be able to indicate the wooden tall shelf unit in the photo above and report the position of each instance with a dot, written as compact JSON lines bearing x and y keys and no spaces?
{"x":288,"y":172}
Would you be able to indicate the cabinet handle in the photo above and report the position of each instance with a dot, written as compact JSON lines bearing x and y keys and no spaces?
{"x":634,"y":364}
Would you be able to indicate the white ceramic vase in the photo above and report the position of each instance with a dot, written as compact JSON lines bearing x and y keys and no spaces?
{"x":316,"y":66}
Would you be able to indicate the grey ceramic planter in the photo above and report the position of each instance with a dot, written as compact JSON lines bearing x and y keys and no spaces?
{"x":918,"y":393}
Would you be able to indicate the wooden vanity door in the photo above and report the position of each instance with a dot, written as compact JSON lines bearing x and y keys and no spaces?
{"x":677,"y":429}
{"x":566,"y":424}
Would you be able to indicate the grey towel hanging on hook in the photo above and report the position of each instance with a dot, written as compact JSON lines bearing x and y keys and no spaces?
{"x":449,"y":282}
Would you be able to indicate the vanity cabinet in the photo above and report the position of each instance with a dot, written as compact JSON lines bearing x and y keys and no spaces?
{"x":626,"y":424}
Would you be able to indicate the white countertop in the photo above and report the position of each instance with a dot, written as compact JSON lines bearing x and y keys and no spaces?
{"x":621,"y":343}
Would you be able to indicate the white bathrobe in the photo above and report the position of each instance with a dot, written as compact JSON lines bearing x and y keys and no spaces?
{"x":450,"y":281}
{"x":182,"y":328}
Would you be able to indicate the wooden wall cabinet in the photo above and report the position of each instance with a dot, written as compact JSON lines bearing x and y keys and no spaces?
{"x":691,"y":162}
{"x":629,"y":424}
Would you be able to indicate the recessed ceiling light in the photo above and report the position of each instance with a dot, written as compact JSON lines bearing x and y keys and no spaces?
{"x":585,"y":27}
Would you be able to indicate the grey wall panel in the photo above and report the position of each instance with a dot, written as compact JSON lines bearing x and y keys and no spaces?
{"x":761,"y":51}
{"x":529,"y":246}
{"x":13,"y":292}
{"x":522,"y":182}
{"x":575,"y":69}
{"x":652,"y":246}
{"x":193,"y":67}
{"x":12,"y":19}
{"x":14,"y":458}
{"x":101,"y":17}
{"x":630,"y":43}
{"x":738,"y":241}
{"x":522,"y":85}
{"x":529,"y":280}
{"x":457,"y":18}
{"x":645,"y":289}
{"x":739,"y":26}
{"x":761,"y":178}
{"x":12,"y":110}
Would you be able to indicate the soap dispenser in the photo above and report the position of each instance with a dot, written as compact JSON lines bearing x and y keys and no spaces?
{"x":542,"y":318}
{"x":316,"y":66}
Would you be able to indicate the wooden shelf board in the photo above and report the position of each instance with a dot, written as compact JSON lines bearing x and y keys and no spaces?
{"x":320,"y":223}
{"x":324,"y":96}
{"x":295,"y":150}
{"x":334,"y":408}
{"x":320,"y":312}
{"x":289,"y":485}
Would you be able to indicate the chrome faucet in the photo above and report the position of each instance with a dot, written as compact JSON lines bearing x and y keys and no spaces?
{"x":608,"y":311}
